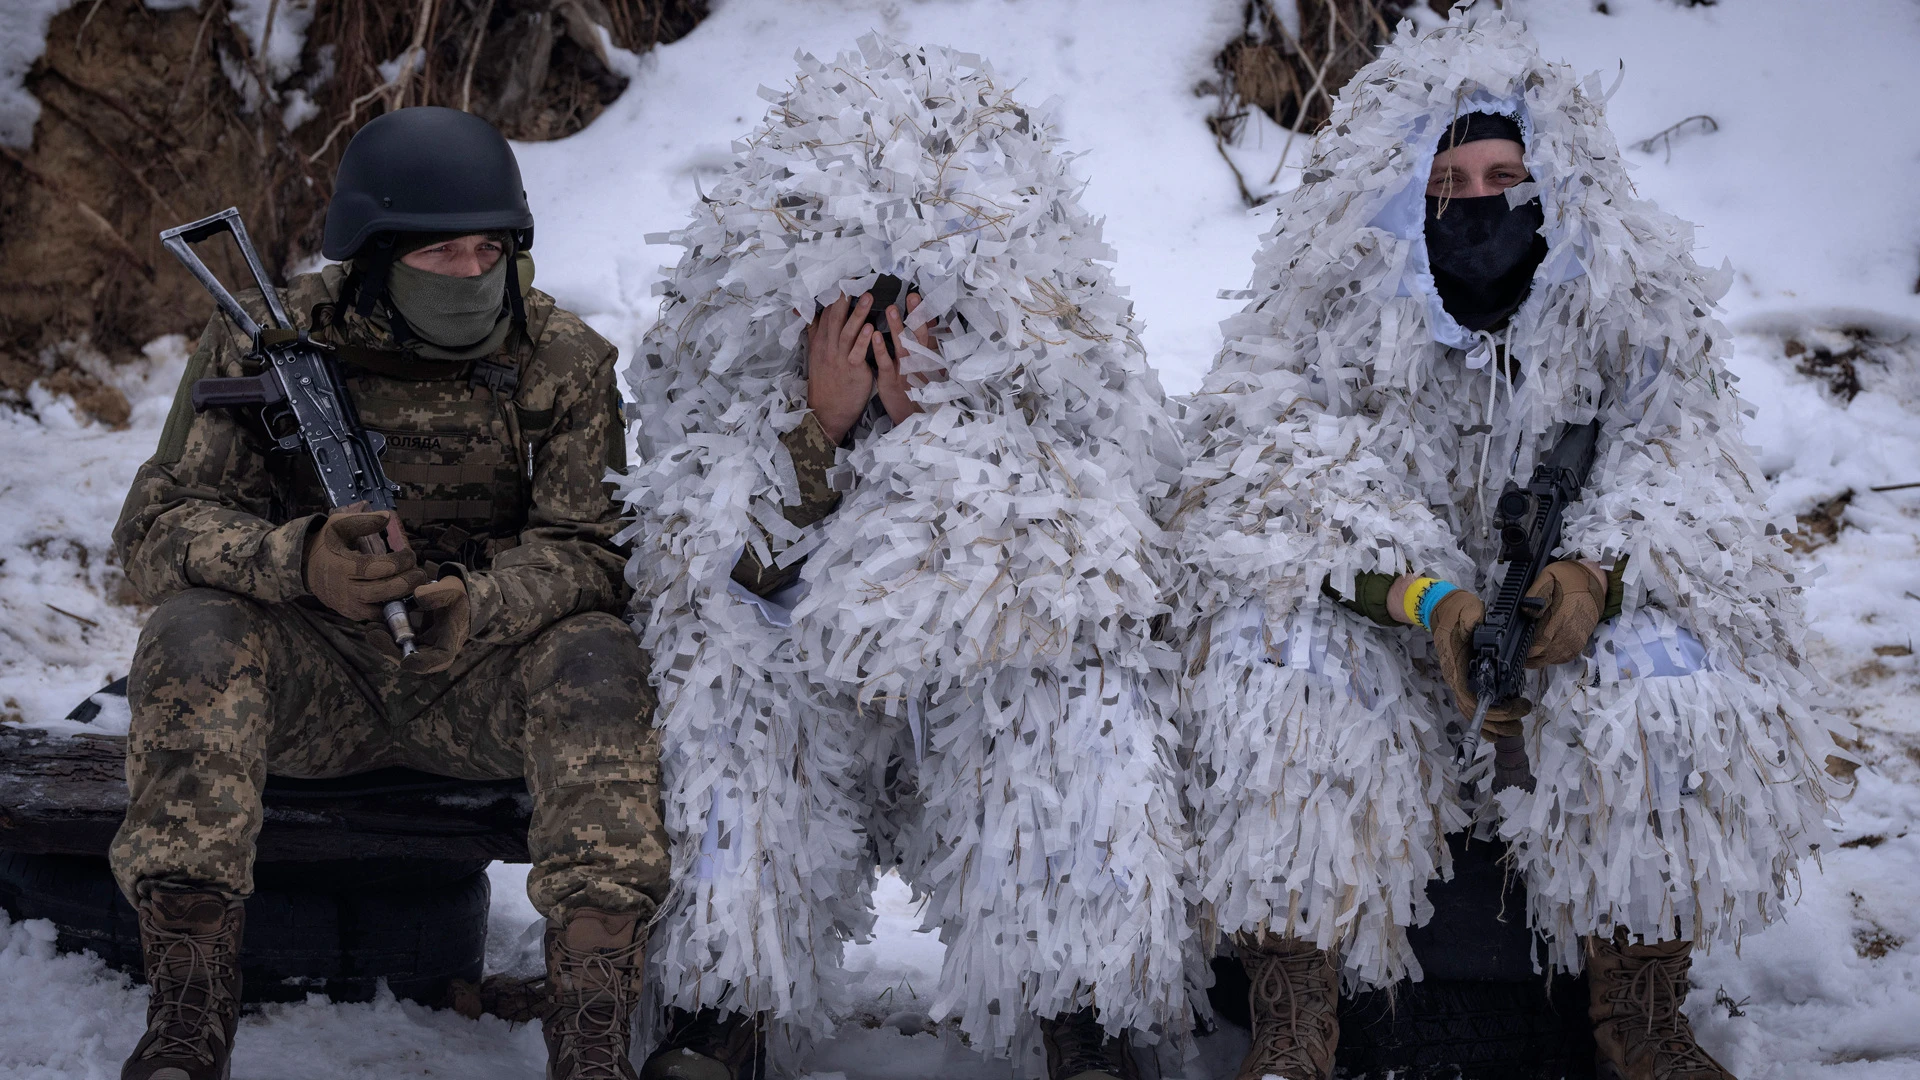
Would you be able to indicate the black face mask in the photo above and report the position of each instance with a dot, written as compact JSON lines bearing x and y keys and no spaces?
{"x":1483,"y":254}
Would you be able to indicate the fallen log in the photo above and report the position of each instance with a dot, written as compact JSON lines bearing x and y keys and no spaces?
{"x":66,"y":796}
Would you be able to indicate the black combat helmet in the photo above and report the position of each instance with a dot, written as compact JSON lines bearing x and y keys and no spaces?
{"x":425,"y":170}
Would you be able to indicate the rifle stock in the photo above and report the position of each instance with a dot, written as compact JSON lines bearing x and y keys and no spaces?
{"x":262,"y":389}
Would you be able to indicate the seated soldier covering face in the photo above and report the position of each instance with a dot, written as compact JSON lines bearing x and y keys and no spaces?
{"x":1464,"y":274}
{"x":267,"y":653}
{"x":913,"y":630}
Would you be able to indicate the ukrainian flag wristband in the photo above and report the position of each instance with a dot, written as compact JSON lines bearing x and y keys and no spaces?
{"x":1430,"y":598}
{"x":1410,"y":600}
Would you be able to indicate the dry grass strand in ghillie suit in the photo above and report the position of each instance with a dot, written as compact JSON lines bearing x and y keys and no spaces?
{"x":1351,"y":425}
{"x":977,"y":606}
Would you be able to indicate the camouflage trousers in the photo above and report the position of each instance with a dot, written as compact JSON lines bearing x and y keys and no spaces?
{"x":225,"y":690}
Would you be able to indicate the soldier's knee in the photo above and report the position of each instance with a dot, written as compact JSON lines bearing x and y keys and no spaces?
{"x":194,"y":621}
{"x":196,"y":644}
{"x":592,"y":660}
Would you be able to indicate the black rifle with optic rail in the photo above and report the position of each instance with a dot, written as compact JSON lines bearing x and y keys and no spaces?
{"x":1528,"y":520}
{"x":303,"y":404}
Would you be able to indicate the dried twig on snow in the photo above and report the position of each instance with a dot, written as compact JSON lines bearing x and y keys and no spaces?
{"x":1707,"y":124}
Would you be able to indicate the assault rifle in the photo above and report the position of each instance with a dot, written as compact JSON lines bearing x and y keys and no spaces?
{"x":302,"y":403}
{"x":1528,"y":520}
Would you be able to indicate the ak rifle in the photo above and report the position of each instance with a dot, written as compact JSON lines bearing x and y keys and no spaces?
{"x":303,"y":404}
{"x":1528,"y":520}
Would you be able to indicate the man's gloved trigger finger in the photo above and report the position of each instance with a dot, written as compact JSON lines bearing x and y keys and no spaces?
{"x":381,"y":567}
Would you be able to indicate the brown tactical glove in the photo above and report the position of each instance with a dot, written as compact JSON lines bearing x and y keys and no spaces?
{"x":345,"y":575}
{"x":1454,"y":619}
{"x":1575,"y":596}
{"x":442,"y":618}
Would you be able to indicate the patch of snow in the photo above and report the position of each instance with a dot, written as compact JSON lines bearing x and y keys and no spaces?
{"x":1807,"y":186}
{"x":516,"y":934}
{"x":68,"y":619}
{"x":291,"y":18}
{"x":298,"y":109}
{"x":392,"y":71}
{"x":23,"y":38}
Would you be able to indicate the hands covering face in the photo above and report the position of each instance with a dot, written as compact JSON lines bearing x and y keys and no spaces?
{"x":839,"y":380}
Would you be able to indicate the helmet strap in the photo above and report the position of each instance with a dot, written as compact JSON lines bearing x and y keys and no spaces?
{"x":519,"y":241}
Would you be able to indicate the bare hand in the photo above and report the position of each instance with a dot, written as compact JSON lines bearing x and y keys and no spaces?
{"x":839,"y":383}
{"x":892,"y":384}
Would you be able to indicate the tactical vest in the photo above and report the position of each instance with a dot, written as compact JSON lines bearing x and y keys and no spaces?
{"x":458,"y":445}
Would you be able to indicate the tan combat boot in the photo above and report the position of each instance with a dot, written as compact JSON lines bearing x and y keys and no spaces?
{"x":1078,"y":1049}
{"x":709,"y":1045}
{"x":1295,"y":1001}
{"x":595,"y":962}
{"x":1639,"y":1031}
{"x":190,"y":942}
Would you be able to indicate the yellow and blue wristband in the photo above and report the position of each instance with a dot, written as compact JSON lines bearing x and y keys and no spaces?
{"x":1422,"y":597}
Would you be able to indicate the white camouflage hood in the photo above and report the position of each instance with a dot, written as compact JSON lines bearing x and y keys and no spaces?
{"x":1007,"y":521}
{"x":1344,"y":313}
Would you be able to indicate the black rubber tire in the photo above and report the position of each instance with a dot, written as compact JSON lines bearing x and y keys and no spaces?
{"x":418,"y":927}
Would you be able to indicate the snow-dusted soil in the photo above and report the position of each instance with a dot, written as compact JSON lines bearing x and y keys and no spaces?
{"x":1806,"y":186}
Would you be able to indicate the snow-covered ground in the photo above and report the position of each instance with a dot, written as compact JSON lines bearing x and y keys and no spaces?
{"x":1807,"y":186}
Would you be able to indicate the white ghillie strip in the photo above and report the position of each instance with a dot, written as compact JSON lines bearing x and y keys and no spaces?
{"x":1332,"y":833}
{"x":1350,"y":425}
{"x":979,"y":602}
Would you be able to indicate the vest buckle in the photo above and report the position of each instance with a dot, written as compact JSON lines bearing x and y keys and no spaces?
{"x":498,"y":378}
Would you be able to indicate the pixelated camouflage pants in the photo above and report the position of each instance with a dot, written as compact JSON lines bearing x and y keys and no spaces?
{"x":225,"y":690}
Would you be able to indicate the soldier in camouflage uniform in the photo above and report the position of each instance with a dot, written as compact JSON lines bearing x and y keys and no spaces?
{"x":267,"y":653}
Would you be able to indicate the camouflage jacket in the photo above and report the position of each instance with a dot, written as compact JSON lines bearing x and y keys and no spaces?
{"x":504,"y":481}
{"x":813,"y":454}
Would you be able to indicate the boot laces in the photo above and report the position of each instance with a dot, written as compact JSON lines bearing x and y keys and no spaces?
{"x":1657,"y":989}
{"x":190,"y":984}
{"x":593,"y":1003}
{"x":1295,"y":998}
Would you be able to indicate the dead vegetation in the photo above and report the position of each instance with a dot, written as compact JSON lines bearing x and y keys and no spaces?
{"x":1871,"y":940}
{"x":1294,"y":77}
{"x":1699,"y":124}
{"x":1851,"y":359}
{"x":1838,"y":368}
{"x":151,"y":118}
{"x":1821,"y":525}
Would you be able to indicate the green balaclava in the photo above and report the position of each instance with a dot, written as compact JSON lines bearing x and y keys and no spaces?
{"x":455,"y":318}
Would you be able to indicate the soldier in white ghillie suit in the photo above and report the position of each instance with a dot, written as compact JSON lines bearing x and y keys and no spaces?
{"x":1463,"y":275}
{"x":898,"y":579}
